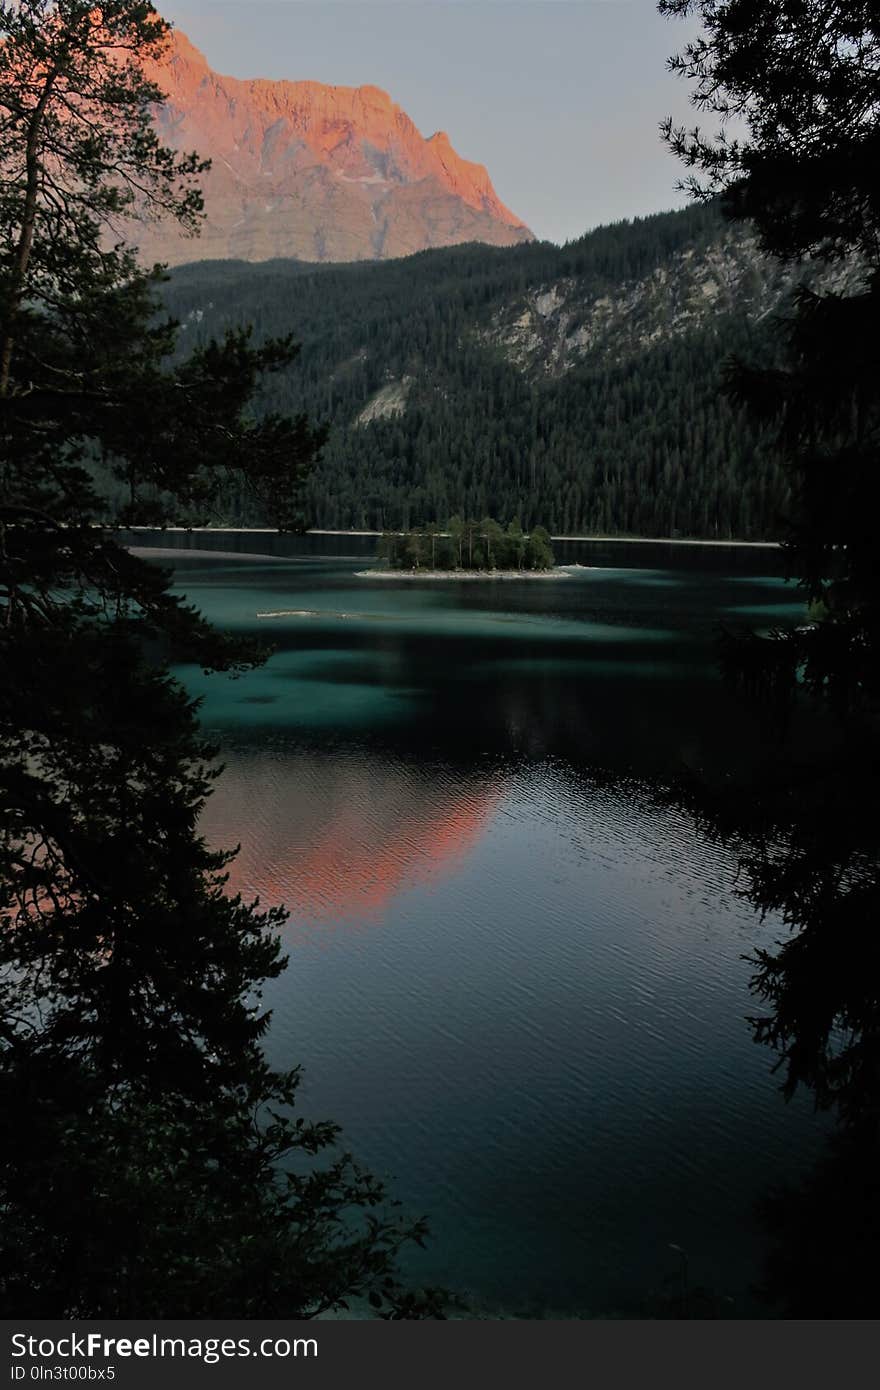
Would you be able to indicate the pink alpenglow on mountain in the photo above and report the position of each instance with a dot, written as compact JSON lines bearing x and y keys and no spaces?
{"x":315,"y":172}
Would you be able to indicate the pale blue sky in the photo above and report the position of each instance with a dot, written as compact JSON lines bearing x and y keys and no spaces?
{"x":560,"y":99}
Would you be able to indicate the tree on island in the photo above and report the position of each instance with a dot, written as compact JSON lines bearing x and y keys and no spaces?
{"x":802,"y":81}
{"x":467,"y":545}
{"x":153,"y":1162}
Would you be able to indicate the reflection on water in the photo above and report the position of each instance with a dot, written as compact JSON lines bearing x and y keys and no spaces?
{"x":539,"y":1036}
{"x":519,"y":984}
{"x":336,"y":840}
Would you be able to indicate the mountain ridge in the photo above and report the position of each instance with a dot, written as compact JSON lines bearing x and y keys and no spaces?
{"x":313,"y":171}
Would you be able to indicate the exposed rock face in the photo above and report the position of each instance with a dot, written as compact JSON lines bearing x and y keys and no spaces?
{"x":315,"y":172}
{"x":389,"y":401}
{"x":561,"y":325}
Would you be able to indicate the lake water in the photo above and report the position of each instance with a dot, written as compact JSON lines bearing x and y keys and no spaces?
{"x":516,"y":978}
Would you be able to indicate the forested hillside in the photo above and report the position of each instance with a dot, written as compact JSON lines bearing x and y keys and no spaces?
{"x":578,"y":387}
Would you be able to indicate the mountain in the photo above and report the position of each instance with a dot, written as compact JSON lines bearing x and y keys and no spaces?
{"x":576,"y":386}
{"x":317,"y":172}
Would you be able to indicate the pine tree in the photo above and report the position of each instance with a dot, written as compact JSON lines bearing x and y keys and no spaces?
{"x":803,"y":81}
{"x":155,"y":1164}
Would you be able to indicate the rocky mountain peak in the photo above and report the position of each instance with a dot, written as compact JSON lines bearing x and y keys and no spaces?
{"x":315,"y":171}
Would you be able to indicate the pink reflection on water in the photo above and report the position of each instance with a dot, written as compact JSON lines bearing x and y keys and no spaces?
{"x":336,"y":843}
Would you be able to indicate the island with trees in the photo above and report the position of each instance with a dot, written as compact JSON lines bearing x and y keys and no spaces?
{"x":466,"y":550}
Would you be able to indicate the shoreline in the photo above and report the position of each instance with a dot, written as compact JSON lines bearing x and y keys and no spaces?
{"x":584,"y":540}
{"x":557,"y":573}
{"x":668,"y":540}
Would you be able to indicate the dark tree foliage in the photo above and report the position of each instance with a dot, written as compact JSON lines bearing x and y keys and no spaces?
{"x":796,"y":85}
{"x":802,"y":80}
{"x":153,"y":1164}
{"x":468,"y":545}
{"x":793,"y":86}
{"x":826,"y":1235}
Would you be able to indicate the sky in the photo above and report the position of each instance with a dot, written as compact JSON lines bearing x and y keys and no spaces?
{"x":560,"y":99}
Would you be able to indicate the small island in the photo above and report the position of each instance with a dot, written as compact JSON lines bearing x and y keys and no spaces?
{"x":466,"y":550}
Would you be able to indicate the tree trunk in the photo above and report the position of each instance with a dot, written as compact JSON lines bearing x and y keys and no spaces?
{"x":22,"y":257}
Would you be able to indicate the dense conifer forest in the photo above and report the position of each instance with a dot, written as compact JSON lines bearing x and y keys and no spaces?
{"x":433,"y":410}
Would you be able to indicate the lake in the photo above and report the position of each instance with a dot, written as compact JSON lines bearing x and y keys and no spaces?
{"x":516,"y":975}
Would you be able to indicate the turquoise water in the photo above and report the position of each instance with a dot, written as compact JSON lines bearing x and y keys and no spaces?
{"x":516,"y":977}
